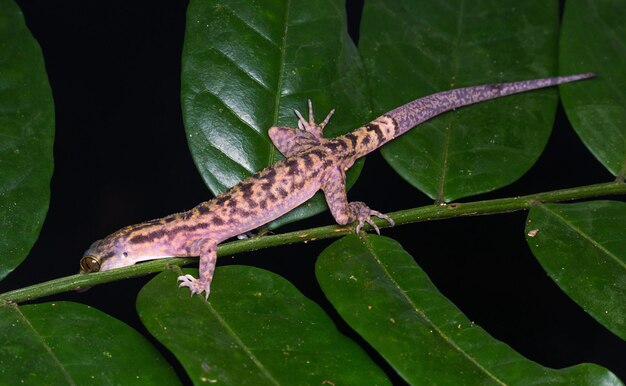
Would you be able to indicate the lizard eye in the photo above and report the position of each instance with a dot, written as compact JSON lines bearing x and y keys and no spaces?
{"x":89,"y":264}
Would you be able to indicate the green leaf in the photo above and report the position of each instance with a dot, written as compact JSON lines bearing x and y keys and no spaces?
{"x":378,"y":289}
{"x":255,"y":329}
{"x":413,"y":49}
{"x":582,"y":247}
{"x":592,"y":39}
{"x":247,"y":65}
{"x":69,"y":343}
{"x":26,"y":136}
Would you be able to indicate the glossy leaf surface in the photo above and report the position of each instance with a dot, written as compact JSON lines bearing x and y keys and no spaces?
{"x":592,"y":39}
{"x":256,"y":329}
{"x":69,"y":343}
{"x":413,"y":49}
{"x":247,"y":65}
{"x":378,"y":289}
{"x":26,"y":136}
{"x":582,"y":247}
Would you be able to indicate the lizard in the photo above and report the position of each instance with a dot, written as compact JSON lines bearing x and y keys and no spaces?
{"x":312,"y":163}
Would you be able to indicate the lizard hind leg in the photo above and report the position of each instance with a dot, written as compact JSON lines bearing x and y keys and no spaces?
{"x":291,"y":141}
{"x":310,"y":126}
{"x":207,"y":250}
{"x":346,"y":212}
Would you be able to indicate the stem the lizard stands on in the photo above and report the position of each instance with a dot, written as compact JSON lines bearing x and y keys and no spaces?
{"x":425,"y":213}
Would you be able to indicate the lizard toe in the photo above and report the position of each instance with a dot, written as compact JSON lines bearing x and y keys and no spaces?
{"x":185,"y":280}
{"x":195,"y":286}
{"x":359,"y":226}
{"x":363,"y":214}
{"x":383,"y":216}
{"x":373,"y":225}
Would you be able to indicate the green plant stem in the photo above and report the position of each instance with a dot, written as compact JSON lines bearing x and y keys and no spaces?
{"x":425,"y":213}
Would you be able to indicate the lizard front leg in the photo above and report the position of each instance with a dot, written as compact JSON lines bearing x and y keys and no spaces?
{"x":346,"y":212}
{"x":207,"y":250}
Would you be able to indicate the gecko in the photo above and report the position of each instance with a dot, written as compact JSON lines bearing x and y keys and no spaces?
{"x":312,"y":163}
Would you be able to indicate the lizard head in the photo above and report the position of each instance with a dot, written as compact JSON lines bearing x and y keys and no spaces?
{"x":127,"y":246}
{"x":104,"y":255}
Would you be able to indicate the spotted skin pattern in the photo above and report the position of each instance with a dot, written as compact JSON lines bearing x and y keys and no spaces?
{"x":313,"y":163}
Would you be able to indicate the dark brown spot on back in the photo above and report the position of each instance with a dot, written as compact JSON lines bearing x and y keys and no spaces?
{"x":148,"y":237}
{"x":352,"y":138}
{"x":245,"y":213}
{"x":292,"y":165}
{"x":332,"y":146}
{"x":317,"y":152}
{"x":308,"y":161}
{"x":396,"y":127}
{"x":246,"y":189}
{"x":203,"y":209}
{"x":201,"y":225}
{"x":219,"y":200}
{"x":376,"y":129}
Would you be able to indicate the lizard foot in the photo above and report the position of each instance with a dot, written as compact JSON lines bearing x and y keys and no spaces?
{"x":194,"y":285}
{"x":310,"y":126}
{"x":363,"y":215}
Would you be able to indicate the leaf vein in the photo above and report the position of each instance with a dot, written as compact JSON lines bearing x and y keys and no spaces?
{"x":47,"y":348}
{"x":241,"y":344}
{"x":237,"y":115}
{"x":421,"y":314}
{"x":239,"y":67}
{"x":250,"y":26}
{"x":586,"y":236}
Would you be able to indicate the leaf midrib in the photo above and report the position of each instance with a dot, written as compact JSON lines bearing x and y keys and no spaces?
{"x":441,"y":196}
{"x":43,"y":343}
{"x":279,"y":83}
{"x":422,"y":315}
{"x":586,"y":236}
{"x":241,"y":343}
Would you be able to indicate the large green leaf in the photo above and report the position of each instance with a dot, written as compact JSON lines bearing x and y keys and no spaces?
{"x":592,"y":39}
{"x":69,"y":343}
{"x":378,"y":289}
{"x":413,"y":49}
{"x":247,"y":65}
{"x":583,"y":248}
{"x":26,"y":136}
{"x":255,"y":329}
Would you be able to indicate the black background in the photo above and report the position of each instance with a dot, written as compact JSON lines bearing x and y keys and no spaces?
{"x":121,"y":157}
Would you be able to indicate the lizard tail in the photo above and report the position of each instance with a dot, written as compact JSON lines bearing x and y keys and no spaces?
{"x":420,"y":110}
